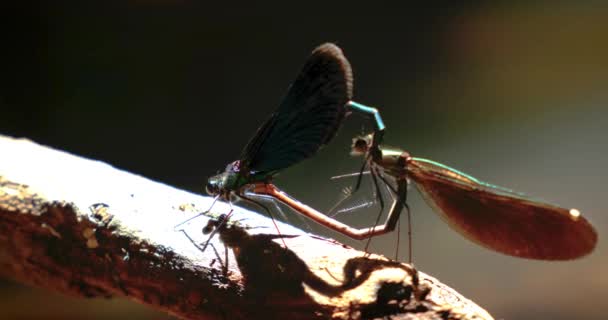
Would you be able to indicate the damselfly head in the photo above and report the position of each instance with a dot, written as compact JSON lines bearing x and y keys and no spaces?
{"x":212,"y":188}
{"x":216,"y":184}
{"x":223,"y":183}
{"x":361,"y":145}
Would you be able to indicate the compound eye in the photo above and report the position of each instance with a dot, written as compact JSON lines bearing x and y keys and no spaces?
{"x":359,"y":147}
{"x":361,"y":144}
{"x":212,"y":188}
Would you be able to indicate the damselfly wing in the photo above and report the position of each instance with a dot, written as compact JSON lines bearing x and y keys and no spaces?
{"x":307,"y":118}
{"x":500,"y":219}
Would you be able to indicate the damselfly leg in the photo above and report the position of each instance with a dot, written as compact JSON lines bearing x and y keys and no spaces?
{"x":274,"y":222}
{"x":276,"y":206}
{"x":199,"y":214}
{"x":211,"y":228}
{"x":391,"y":190}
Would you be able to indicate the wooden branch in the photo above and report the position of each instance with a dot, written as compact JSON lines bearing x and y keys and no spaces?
{"x":84,"y":228}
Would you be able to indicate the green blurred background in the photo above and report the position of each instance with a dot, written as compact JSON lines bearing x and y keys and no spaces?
{"x":513,"y":94}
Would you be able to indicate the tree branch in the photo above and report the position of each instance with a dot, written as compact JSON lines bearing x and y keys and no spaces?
{"x":84,"y":228}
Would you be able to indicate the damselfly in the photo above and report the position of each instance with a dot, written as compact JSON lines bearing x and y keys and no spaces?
{"x":491,"y":216}
{"x":307,"y":119}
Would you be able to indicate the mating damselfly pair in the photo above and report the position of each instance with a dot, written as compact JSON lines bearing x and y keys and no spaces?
{"x":309,"y":117}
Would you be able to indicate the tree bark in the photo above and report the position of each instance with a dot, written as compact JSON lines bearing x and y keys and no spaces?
{"x":84,"y":228}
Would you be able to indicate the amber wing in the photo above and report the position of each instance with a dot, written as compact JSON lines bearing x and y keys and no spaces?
{"x":500,"y":219}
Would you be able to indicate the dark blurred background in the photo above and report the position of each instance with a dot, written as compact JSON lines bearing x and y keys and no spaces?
{"x":513,"y":94}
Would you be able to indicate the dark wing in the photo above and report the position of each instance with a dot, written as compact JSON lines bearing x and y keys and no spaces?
{"x":500,"y":219}
{"x":309,"y":115}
